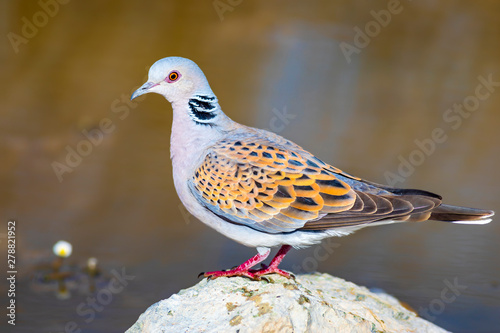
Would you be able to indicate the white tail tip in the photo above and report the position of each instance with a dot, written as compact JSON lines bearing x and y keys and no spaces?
{"x":481,"y":221}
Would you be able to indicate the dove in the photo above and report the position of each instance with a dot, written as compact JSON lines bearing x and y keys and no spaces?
{"x":263,"y":190}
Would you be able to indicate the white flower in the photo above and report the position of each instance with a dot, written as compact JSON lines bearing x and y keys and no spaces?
{"x":62,"y":249}
{"x":92,"y":263}
{"x":63,"y":294}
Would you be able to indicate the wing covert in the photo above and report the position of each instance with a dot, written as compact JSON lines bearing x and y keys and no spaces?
{"x":269,"y":187}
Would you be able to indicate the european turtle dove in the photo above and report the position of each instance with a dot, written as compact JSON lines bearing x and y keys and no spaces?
{"x":263,"y":190}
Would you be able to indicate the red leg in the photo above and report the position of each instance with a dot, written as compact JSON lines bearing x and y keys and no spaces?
{"x":241,"y":270}
{"x":273,"y":266}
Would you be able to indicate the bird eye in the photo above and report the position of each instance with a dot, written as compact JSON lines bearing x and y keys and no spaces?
{"x":173,"y":76}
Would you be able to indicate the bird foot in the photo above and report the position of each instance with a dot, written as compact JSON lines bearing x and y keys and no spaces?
{"x":252,"y":274}
{"x":231,"y":272}
{"x":255,"y":274}
{"x":273,"y":270}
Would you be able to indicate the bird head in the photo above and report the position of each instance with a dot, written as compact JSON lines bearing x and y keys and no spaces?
{"x":176,"y":79}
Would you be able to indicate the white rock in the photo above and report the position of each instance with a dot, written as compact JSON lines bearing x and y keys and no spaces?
{"x":313,"y":303}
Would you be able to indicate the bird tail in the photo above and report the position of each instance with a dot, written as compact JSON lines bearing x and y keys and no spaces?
{"x":461,"y":215}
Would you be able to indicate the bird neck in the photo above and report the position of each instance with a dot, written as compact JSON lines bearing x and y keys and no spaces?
{"x":198,"y":122}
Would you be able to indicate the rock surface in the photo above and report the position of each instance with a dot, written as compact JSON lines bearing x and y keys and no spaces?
{"x":312,"y":303}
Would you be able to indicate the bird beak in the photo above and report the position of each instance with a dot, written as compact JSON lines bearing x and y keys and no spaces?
{"x":144,"y":89}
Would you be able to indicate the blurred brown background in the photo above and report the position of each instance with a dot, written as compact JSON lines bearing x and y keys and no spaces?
{"x":278,"y":66}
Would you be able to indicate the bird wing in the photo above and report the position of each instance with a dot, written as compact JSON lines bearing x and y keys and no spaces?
{"x":279,"y":188}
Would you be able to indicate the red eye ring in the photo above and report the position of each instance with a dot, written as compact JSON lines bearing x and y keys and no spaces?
{"x":173,"y":76}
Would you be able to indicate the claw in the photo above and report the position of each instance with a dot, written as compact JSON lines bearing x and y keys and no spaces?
{"x":202,"y":273}
{"x":267,"y":279}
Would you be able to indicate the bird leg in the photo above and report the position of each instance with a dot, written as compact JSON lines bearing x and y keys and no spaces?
{"x":273,"y":266}
{"x":241,"y":270}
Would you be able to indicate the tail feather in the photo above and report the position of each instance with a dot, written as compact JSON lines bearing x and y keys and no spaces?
{"x":461,"y":215}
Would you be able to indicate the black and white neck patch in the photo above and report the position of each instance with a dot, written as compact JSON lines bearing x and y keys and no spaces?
{"x":203,"y":109}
